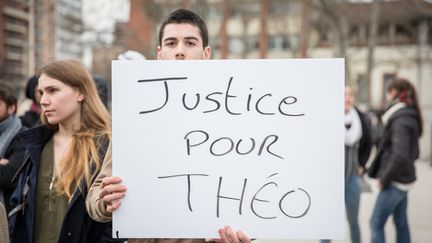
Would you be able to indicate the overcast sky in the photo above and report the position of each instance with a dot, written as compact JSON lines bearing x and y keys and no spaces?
{"x":101,"y":15}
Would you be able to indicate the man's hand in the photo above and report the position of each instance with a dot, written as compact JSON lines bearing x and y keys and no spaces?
{"x":360,"y":171}
{"x":112,"y":191}
{"x":4,"y":161}
{"x":229,"y":236}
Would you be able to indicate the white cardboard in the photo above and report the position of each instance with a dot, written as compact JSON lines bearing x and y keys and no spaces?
{"x":300,"y":173}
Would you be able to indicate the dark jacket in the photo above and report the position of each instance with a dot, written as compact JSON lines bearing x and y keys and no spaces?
{"x":15,"y":154}
{"x":365,"y":144}
{"x":398,"y":148}
{"x":30,"y":119}
{"x":77,"y":225}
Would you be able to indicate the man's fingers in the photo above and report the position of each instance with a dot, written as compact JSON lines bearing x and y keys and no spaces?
{"x":112,"y":189}
{"x":243,"y":237}
{"x":229,"y":236}
{"x":223,"y":235}
{"x":113,"y":206}
{"x":113,"y":197}
{"x":110,"y":180}
{"x":232,"y":236}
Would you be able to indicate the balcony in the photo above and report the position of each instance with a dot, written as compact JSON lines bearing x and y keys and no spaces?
{"x":8,"y":11}
{"x":14,"y":42}
{"x":13,"y":56}
{"x":16,"y":28}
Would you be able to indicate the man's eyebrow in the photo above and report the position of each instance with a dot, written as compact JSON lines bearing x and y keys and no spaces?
{"x":186,"y":38}
{"x":169,"y":39}
{"x":191,"y":38}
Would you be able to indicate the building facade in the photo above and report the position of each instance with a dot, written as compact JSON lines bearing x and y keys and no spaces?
{"x":16,"y":47}
{"x":58,"y":30}
{"x":35,"y":32}
{"x":311,"y":29}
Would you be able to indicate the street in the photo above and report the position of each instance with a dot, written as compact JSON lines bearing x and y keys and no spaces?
{"x":419,"y":212}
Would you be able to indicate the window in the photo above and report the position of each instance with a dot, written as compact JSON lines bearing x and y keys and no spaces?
{"x":363,"y":90}
{"x":278,"y":43}
{"x":235,"y":45}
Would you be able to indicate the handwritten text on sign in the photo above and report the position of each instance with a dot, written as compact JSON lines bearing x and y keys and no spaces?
{"x":256,"y":144}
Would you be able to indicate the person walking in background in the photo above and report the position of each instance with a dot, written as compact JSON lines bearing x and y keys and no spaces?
{"x":65,"y":153}
{"x":393,"y":166}
{"x":11,"y":148}
{"x":358,"y":144}
{"x":31,"y":117}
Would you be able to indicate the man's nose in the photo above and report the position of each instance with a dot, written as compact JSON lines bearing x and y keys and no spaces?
{"x":180,"y":55}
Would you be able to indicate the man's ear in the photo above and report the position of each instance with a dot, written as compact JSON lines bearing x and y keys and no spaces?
{"x":12,"y":109}
{"x":207,"y":53}
{"x":158,"y":51}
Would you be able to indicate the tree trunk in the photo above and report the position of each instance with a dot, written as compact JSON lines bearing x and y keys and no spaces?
{"x":373,"y":27}
{"x":263,"y":33}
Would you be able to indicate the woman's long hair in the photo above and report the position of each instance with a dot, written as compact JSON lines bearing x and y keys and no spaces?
{"x":81,"y":159}
{"x":407,"y":94}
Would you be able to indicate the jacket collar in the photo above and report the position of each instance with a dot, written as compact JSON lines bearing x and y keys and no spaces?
{"x":390,"y":111}
{"x":34,"y":139}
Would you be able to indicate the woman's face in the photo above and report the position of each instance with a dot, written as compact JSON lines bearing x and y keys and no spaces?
{"x":391,"y":95}
{"x":60,"y":103}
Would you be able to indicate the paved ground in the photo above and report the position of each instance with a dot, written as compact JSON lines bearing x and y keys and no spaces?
{"x":419,"y":212}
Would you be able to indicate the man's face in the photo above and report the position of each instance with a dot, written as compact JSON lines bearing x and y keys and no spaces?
{"x":349,"y":98}
{"x":182,"y":42}
{"x":5,"y":110}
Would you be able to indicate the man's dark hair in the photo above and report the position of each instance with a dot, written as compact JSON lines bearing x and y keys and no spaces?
{"x":183,"y":16}
{"x":8,"y":94}
{"x":31,"y":88}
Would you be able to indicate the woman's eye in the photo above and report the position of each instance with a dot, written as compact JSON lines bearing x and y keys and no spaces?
{"x":52,"y":90}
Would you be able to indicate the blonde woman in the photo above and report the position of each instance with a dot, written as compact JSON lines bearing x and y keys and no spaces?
{"x":63,"y":155}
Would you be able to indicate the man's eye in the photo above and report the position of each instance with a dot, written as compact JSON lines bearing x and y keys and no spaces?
{"x":171,"y":43}
{"x":190,"y":43}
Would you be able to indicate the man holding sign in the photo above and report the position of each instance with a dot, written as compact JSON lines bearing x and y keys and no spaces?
{"x":182,"y":36}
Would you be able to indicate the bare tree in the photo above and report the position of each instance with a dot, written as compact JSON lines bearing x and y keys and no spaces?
{"x":263,"y":33}
{"x":223,"y":29}
{"x":337,"y":22}
{"x":245,"y":10}
{"x":373,"y":26}
{"x":304,"y":32}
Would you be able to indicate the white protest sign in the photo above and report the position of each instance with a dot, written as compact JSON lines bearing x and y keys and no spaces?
{"x":254,"y":144}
